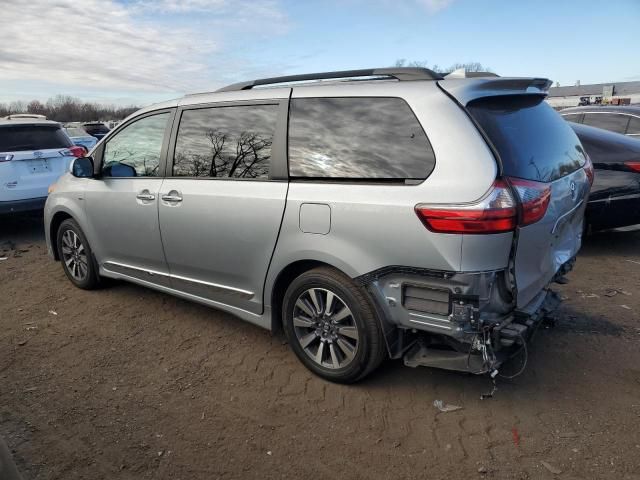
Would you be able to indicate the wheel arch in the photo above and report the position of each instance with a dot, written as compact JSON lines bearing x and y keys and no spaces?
{"x":284,"y":279}
{"x":57,"y":219}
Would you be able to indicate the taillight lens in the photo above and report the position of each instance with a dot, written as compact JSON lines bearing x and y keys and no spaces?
{"x":635,"y":166}
{"x":76,"y":151}
{"x":6,"y":157}
{"x":534,"y":197}
{"x":494,"y":213}
{"x":588,"y":169}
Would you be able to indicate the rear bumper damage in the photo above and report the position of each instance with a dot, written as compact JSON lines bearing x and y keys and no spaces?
{"x":490,"y":347}
{"x":456,"y":321}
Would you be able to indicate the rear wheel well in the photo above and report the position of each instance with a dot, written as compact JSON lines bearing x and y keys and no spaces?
{"x":285,"y":277}
{"x":57,"y":219}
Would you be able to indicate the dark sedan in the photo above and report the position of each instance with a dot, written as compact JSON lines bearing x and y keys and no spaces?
{"x":615,"y":195}
{"x":619,"y":119}
{"x":96,"y":129}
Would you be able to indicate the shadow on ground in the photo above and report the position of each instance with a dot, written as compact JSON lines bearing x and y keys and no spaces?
{"x":620,"y":242}
{"x":20,"y":228}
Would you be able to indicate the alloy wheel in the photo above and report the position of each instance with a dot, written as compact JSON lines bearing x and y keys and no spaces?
{"x":325,"y":328}
{"x":74,"y":255}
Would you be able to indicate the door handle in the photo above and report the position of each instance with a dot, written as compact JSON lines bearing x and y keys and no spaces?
{"x":145,"y":195}
{"x":172,"y":196}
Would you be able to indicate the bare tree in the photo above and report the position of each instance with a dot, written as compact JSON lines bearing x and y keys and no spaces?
{"x":468,"y":66}
{"x":246,"y":156}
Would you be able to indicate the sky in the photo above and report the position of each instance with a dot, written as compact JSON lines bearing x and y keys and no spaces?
{"x":137,"y":52}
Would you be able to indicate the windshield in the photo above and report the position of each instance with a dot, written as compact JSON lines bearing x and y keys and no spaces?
{"x":533,"y":140}
{"x":32,"y":137}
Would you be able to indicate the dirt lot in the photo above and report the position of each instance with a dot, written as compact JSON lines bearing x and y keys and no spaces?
{"x":127,"y":383}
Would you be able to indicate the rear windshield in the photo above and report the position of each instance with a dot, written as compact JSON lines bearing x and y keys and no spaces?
{"x":533,"y":140}
{"x":76,"y":132}
{"x":96,"y":128}
{"x":32,"y":137}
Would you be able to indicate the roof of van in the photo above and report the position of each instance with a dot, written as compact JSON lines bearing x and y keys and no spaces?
{"x":465,"y":85}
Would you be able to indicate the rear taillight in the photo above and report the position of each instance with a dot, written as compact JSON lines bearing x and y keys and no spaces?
{"x":588,"y":169}
{"x":494,"y":213}
{"x":635,"y":166}
{"x":534,"y":197}
{"x":6,"y":157}
{"x":75,"y":151}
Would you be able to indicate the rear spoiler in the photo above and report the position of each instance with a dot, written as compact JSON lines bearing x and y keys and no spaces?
{"x":464,"y":90}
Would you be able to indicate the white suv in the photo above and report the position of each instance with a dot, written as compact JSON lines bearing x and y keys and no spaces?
{"x":34,"y":152}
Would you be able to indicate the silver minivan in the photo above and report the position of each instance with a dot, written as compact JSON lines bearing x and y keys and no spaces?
{"x":368,"y":213}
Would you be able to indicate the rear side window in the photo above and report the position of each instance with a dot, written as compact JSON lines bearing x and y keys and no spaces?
{"x":225,"y":142}
{"x":357,"y":139}
{"x":608,"y":121}
{"x":634,"y":126}
{"x":32,"y":137}
{"x":573,"y":117}
{"x":533,"y":140}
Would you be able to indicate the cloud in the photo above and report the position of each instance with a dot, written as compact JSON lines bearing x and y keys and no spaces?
{"x":145,"y":46}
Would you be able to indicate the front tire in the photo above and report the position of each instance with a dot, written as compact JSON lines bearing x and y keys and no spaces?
{"x":332,"y":327}
{"x":76,"y":256}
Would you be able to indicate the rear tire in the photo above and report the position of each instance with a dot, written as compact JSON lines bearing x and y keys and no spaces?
{"x":76,"y":256}
{"x":332,"y":326}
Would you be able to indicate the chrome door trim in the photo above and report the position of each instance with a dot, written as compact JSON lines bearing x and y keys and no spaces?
{"x":171,"y":198}
{"x":145,"y":196}
{"x":236,"y":291}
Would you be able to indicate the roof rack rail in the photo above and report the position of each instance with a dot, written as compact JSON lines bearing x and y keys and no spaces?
{"x":399,"y":73}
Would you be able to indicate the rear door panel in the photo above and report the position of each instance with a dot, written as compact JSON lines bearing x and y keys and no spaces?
{"x":222,"y":202}
{"x":219,"y":238}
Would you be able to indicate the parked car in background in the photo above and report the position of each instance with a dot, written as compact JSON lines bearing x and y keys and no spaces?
{"x":402,"y":214}
{"x":615,"y":195}
{"x":618,"y":119}
{"x":34,"y":152}
{"x":79,"y":136}
{"x":96,"y":129}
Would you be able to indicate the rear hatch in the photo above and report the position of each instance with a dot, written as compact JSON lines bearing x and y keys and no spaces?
{"x":32,"y":157}
{"x":543,"y":159}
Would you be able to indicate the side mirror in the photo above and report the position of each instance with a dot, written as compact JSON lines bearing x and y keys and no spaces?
{"x":82,"y":167}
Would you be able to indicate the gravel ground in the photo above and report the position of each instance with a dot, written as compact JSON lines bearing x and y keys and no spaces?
{"x":127,"y":383}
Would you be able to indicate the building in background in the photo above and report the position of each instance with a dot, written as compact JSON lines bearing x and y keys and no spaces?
{"x":615,"y":93}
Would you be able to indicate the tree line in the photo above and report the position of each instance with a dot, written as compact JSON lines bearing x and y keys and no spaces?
{"x":64,"y":108}
{"x":469,"y":66}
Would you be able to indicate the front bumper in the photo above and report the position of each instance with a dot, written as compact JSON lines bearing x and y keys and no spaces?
{"x":26,"y":205}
